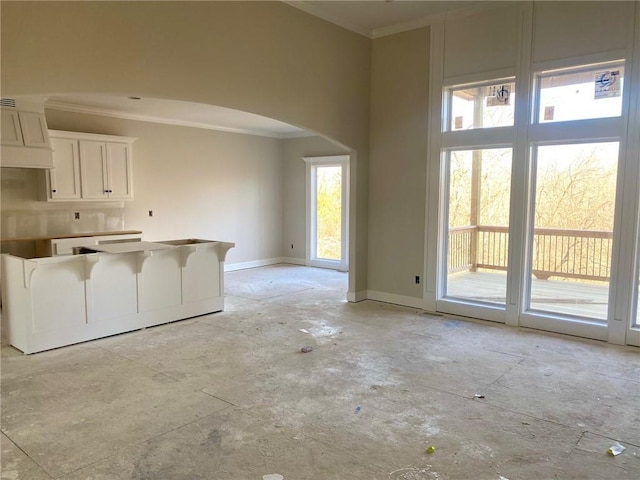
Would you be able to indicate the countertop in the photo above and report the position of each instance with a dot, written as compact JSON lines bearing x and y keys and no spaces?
{"x":70,"y":235}
{"x":129,"y":247}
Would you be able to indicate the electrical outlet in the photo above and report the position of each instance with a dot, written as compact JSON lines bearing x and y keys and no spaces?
{"x":76,"y":215}
{"x":151,"y":213}
{"x":417,"y":279}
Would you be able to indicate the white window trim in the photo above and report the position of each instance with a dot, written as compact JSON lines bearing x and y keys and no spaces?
{"x":312,"y":162}
{"x":523,"y":136}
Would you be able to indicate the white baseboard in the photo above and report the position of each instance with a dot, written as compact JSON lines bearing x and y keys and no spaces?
{"x":232,"y":267}
{"x":403,"y":300}
{"x":355,"y":297}
{"x":294,"y":261}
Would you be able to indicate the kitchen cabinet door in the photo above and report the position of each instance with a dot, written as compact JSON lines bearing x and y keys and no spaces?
{"x":118,"y":171}
{"x":11,"y":133}
{"x":34,"y":129}
{"x":93,"y":170}
{"x":64,"y":178}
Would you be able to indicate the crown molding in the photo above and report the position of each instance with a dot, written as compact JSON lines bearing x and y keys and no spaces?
{"x":310,"y":9}
{"x":409,"y":25}
{"x":105,"y":112}
{"x":456,"y":13}
{"x":397,"y":27}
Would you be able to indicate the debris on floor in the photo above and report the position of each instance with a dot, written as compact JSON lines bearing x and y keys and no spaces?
{"x":273,"y":476}
{"x":479,"y":395}
{"x":431,"y":449}
{"x":306,"y":349}
{"x":303,"y":330}
{"x":358,"y":408}
{"x":414,"y":473}
{"x":616,"y":449}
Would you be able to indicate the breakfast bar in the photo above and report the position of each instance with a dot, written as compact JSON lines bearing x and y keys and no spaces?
{"x":107,"y":289}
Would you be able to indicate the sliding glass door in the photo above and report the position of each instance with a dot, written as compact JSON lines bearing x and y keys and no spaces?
{"x":573,"y":205}
{"x":476,"y":183}
{"x":534,"y":169}
{"x":478,"y":224}
{"x":569,"y":150}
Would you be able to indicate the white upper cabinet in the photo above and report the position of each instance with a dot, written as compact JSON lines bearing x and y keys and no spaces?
{"x":24,"y":137}
{"x":93,"y":161}
{"x":90,"y":167}
{"x":64,"y":178}
{"x":24,"y":129}
{"x":11,"y":132}
{"x":34,"y":129}
{"x":119,"y":170}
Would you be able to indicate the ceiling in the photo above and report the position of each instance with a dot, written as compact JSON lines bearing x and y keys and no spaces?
{"x":371,"y":18}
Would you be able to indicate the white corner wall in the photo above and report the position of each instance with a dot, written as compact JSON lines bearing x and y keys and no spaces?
{"x":398,"y":163}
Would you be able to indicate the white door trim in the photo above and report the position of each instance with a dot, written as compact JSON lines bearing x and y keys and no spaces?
{"x":311,"y":164}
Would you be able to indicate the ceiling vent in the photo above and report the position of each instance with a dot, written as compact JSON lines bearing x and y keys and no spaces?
{"x":8,"y":102}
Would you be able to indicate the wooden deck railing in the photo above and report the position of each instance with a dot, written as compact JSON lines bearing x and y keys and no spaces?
{"x":583,"y":254}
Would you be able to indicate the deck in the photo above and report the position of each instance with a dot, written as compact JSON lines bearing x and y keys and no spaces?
{"x":558,"y":296}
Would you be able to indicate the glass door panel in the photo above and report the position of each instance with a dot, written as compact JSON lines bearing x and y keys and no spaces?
{"x":478,"y":224}
{"x":327,"y":211}
{"x":570,"y":257}
{"x":328,"y":216}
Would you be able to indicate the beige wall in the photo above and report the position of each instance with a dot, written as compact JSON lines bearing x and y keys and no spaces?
{"x":294,"y":193}
{"x":397,"y":191}
{"x":199,"y":183}
{"x":262,"y":57}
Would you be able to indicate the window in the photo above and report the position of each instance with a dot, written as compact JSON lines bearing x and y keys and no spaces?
{"x":484,"y":105}
{"x":579,"y":94}
{"x":533,"y":172}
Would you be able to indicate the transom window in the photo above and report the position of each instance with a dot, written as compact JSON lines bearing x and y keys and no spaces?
{"x":587,"y":92}
{"x":482,"y":105}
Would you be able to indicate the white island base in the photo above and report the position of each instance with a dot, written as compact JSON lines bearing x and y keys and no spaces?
{"x":55,"y":301}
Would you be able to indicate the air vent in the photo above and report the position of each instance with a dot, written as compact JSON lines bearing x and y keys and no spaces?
{"x":8,"y":102}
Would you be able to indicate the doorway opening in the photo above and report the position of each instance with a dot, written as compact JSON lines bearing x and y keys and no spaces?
{"x":327,"y":211}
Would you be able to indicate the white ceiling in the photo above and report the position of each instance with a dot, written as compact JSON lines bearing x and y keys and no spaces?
{"x":371,"y":18}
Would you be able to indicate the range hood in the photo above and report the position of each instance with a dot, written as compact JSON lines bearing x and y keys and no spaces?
{"x":24,"y":141}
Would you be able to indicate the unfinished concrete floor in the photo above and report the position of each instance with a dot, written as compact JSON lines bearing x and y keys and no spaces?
{"x":229,"y":396}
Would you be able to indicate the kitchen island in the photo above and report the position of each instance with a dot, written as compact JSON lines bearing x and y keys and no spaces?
{"x":108,"y":289}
